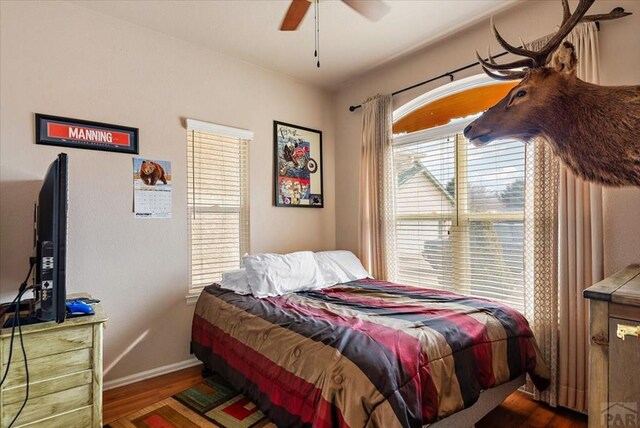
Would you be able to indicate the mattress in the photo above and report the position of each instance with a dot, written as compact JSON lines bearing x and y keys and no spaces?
{"x":363,"y":353}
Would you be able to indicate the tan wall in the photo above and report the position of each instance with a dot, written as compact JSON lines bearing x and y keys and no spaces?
{"x":620,"y":62}
{"x":62,"y":59}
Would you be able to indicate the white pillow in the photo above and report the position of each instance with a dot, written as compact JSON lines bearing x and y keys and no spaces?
{"x":276,"y":274}
{"x":236,"y":280}
{"x":340,"y":266}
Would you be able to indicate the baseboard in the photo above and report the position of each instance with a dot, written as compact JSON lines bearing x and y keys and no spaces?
{"x":148,"y":374}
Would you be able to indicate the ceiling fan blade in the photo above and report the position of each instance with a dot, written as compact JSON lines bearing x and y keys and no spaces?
{"x":373,"y":10}
{"x":294,"y":15}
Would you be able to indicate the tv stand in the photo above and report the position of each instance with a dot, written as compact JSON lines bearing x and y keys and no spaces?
{"x":65,"y":372}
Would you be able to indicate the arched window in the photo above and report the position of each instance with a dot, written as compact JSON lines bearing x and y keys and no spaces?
{"x":459,"y":209}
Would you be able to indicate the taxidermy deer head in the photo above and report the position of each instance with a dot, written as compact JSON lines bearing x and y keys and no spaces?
{"x":595,"y":130}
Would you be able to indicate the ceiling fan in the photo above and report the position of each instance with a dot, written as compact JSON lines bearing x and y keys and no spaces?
{"x":370,"y":9}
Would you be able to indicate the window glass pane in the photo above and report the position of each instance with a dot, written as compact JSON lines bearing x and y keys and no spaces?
{"x":425,"y":206}
{"x":218,"y":187}
{"x":214,"y":172}
{"x":424,"y":253}
{"x":494,"y":177}
{"x":425,"y":177}
{"x":460,"y":216}
{"x":215,"y":246}
{"x":496,"y":261}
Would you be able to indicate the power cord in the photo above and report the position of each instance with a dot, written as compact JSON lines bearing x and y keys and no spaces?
{"x":16,"y":320}
{"x":13,"y":329}
{"x":16,"y":316}
{"x":26,"y":365}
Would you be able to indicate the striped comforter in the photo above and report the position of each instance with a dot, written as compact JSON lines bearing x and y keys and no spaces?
{"x":364,"y":353}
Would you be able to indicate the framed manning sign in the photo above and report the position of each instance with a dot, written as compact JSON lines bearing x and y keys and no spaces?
{"x":82,"y":134}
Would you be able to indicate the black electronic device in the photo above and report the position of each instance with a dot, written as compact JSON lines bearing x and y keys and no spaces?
{"x":49,"y":289}
{"x":51,"y":244}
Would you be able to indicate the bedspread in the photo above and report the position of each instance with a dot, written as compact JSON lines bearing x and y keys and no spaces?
{"x":363,"y":353}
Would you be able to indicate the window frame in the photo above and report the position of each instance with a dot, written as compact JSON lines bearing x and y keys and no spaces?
{"x":461,"y":218}
{"x":243,"y":136}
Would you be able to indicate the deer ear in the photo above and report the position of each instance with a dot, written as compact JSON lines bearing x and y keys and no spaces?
{"x":564,"y":59}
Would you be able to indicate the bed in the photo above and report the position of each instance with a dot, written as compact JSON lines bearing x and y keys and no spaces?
{"x":367,"y":353}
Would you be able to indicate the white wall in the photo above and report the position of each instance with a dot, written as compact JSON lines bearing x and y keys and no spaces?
{"x":61,"y":59}
{"x":620,"y":62}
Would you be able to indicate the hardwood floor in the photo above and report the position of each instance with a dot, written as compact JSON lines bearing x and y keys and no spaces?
{"x":518,"y":410}
{"x":119,"y":402}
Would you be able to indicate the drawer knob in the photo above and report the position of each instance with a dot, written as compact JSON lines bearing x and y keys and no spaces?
{"x":628,"y":330}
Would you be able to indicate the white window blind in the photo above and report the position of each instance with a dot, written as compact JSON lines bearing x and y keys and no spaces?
{"x":218,"y":201}
{"x":460,"y":215}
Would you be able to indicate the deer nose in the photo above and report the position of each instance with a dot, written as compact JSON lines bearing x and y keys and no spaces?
{"x":467,"y":129}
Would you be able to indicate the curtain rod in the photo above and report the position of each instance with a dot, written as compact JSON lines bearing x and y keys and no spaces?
{"x":447,"y":74}
{"x":616,"y":13}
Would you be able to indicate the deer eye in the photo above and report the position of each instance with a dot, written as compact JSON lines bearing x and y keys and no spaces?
{"x":521,"y":94}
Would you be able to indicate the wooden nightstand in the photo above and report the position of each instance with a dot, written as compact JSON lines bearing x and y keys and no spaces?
{"x":614,"y":352}
{"x":65,"y":373}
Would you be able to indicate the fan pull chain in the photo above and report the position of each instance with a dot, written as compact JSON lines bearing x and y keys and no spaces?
{"x":318,"y":64}
{"x":316,"y":17}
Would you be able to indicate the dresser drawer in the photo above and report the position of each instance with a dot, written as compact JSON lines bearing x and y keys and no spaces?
{"x":624,"y":363}
{"x":48,"y":405}
{"x":49,"y":367}
{"x":49,"y":342}
{"x":80,"y":418}
{"x":37,"y":389}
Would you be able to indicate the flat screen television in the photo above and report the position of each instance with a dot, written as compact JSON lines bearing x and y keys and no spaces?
{"x":51,"y":244}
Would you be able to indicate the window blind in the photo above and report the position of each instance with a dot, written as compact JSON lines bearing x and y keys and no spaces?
{"x":218,"y":203}
{"x":460,"y":215}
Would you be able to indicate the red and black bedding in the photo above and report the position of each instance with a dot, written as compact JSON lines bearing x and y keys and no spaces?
{"x":363,"y":353}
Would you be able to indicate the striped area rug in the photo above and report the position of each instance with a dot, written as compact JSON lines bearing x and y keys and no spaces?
{"x":212,"y":403}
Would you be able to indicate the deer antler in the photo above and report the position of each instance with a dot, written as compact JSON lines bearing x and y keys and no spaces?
{"x":504,"y":71}
{"x":566,"y":12}
{"x":533,"y":58}
{"x":567,"y":25}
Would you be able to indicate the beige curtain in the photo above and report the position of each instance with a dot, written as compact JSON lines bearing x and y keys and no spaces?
{"x":554,"y":283}
{"x":541,"y":257}
{"x":580,"y":249}
{"x":376,"y":229}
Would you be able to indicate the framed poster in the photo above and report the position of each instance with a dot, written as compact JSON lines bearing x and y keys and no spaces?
{"x":298,"y":166}
{"x":83,"y":134}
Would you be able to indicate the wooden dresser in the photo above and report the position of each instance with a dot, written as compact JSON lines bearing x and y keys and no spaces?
{"x":65,"y":373}
{"x":614,"y":353}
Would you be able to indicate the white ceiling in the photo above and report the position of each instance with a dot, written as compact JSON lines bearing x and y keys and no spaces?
{"x":349,"y":44}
